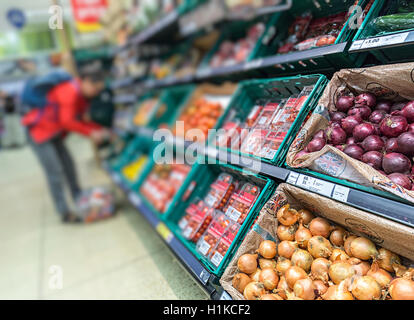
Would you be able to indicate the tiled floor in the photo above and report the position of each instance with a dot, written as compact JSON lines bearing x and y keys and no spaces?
{"x":121,"y":258}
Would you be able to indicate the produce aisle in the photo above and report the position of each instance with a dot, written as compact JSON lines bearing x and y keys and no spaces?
{"x":121,"y":258}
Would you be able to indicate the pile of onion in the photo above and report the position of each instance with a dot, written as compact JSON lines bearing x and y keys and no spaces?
{"x":321,"y":261}
{"x":378,"y":133}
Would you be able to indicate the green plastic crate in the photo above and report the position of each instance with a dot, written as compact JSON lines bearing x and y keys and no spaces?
{"x":204,"y":175}
{"x":252,"y":92}
{"x":388,"y":54}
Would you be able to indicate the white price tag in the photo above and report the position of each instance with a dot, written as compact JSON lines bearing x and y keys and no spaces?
{"x":204,"y":276}
{"x":183,"y":224}
{"x":204,"y":247}
{"x":134,"y":198}
{"x":312,"y":184}
{"x":293,"y":177}
{"x":340,"y":193}
{"x":356,"y":45}
{"x":216,"y":259}
{"x":385,"y":40}
{"x":187,"y":232}
{"x":233,"y":214}
{"x":225,"y":296}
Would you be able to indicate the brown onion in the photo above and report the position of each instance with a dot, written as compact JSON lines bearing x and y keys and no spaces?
{"x":283,"y":287}
{"x":319,"y":247}
{"x":271,"y":296}
{"x":282,"y":265}
{"x":338,"y":292}
{"x":287,"y":216}
{"x":347,"y":244}
{"x":302,"y":236}
{"x":361,"y":267}
{"x":304,"y":289}
{"x":366,"y":288}
{"x":337,"y":237}
{"x":302,"y":259}
{"x":380,"y":275}
{"x":266,"y":263}
{"x":267,"y":249}
{"x":338,"y":255}
{"x":340,"y":271}
{"x":286,"y":233}
{"x":294,"y":274}
{"x":305,"y":216}
{"x":240,"y":281}
{"x":269,"y":278}
{"x":320,"y":269}
{"x":255,"y":276}
{"x":320,"y":227}
{"x":247,"y":263}
{"x":363,"y":248}
{"x":386,"y":259}
{"x":254,"y":290}
{"x":402,"y":289}
{"x":286,"y":249}
{"x":320,"y":287}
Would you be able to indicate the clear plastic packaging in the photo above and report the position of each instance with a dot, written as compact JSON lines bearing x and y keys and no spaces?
{"x":191,"y":210}
{"x":220,"y":192}
{"x":213,"y":234}
{"x":253,"y":143}
{"x":221,"y":248}
{"x":240,"y":203}
{"x":198,"y":224}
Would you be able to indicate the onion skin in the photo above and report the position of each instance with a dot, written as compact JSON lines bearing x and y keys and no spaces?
{"x":320,"y":269}
{"x":271,"y":296}
{"x":320,"y":227}
{"x":380,"y":275}
{"x":366,"y":288}
{"x":247,"y":263}
{"x":347,"y":244}
{"x":255,"y":276}
{"x":320,"y":135}
{"x":320,"y":287}
{"x":373,"y":143}
{"x":254,"y":290}
{"x":319,"y":247}
{"x":362,"y":131}
{"x":337,"y":116}
{"x":240,"y":281}
{"x":405,"y":143}
{"x":294,"y":274}
{"x":386,"y":259}
{"x":360,"y":111}
{"x":391,"y":145}
{"x":396,"y":163}
{"x":267,"y":263}
{"x":373,"y":159}
{"x":286,"y":233}
{"x":361,"y":267}
{"x":315,"y":145}
{"x":344,"y":103}
{"x":304,"y":289}
{"x":393,"y":126}
{"x":367,"y":99}
{"x":337,"y":237}
{"x":363,"y":248}
{"x":384,"y":106}
{"x":408,"y":111}
{"x":268,"y":249}
{"x":401,"y":179}
{"x":286,"y":249}
{"x":338,"y":292}
{"x":377,"y":116}
{"x":283,"y":287}
{"x":305,"y":216}
{"x":302,"y":259}
{"x":302,"y":236}
{"x":402,"y":289}
{"x":287,"y":216}
{"x":282,"y":265}
{"x":338,"y":255}
{"x":349,"y":123}
{"x":269,"y":278}
{"x":340,"y":270}
{"x":336,"y":135}
{"x":354,"y":151}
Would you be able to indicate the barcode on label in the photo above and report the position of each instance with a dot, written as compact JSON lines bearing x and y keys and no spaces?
{"x":233,"y":213}
{"x":319,"y":186}
{"x":204,"y":247}
{"x":341,"y":193}
{"x":216,"y":259}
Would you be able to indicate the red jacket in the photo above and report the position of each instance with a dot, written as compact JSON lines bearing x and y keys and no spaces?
{"x":64,"y":118}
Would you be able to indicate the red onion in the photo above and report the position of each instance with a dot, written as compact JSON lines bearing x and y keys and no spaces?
{"x":367,"y":99}
{"x":337,"y":116}
{"x":320,"y":134}
{"x":393,"y":126}
{"x":349,"y":123}
{"x":408,"y":111}
{"x":351,"y":140}
{"x":362,"y":131}
{"x":384,"y":105}
{"x":340,"y":147}
{"x":401,"y":179}
{"x":336,"y":135}
{"x":397,"y":106}
{"x":373,"y":158}
{"x":396,"y":162}
{"x":354,"y":151}
{"x":391,"y":145}
{"x":316,"y":145}
{"x":411,"y":127}
{"x":377,"y":116}
{"x":344,"y":103}
{"x":363,"y":111}
{"x":373,"y":143}
{"x":301,"y":153}
{"x":406,"y":143}
{"x":377,"y":131}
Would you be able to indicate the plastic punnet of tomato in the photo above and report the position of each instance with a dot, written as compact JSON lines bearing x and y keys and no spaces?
{"x":220,"y":191}
{"x":198,"y":224}
{"x":191,"y":210}
{"x":220,"y":250}
{"x":241,"y":203}
{"x":213,"y":234}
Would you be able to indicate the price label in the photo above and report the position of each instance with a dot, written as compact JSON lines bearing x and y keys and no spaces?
{"x":253,"y":64}
{"x":165,"y":233}
{"x":293,"y":177}
{"x":356,"y":45}
{"x":340,"y":193}
{"x":315,"y":185}
{"x":187,"y":28}
{"x":204,"y":276}
{"x":225,"y":296}
{"x":216,"y":259}
{"x":135,"y":199}
{"x":204,"y":73}
{"x":204,"y":247}
{"x":383,"y":41}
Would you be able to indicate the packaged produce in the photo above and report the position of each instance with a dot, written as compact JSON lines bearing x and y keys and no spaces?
{"x":190,"y":211}
{"x":253,"y":115}
{"x":241,"y":202}
{"x":266,"y":116}
{"x":213,"y":234}
{"x":224,"y":244}
{"x":363,"y":136}
{"x":145,"y":112}
{"x":230,"y":135}
{"x":220,"y":191}
{"x":253,"y":143}
{"x":198,"y":223}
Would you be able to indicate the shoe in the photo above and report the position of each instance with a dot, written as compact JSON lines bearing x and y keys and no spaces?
{"x":71,"y":218}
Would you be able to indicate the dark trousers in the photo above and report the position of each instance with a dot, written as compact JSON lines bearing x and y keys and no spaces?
{"x":59,"y":169}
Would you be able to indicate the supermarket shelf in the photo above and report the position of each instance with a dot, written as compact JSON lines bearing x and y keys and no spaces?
{"x":125,"y":98}
{"x":121,"y":83}
{"x":192,"y":265}
{"x":168,"y":82}
{"x":383,"y":42}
